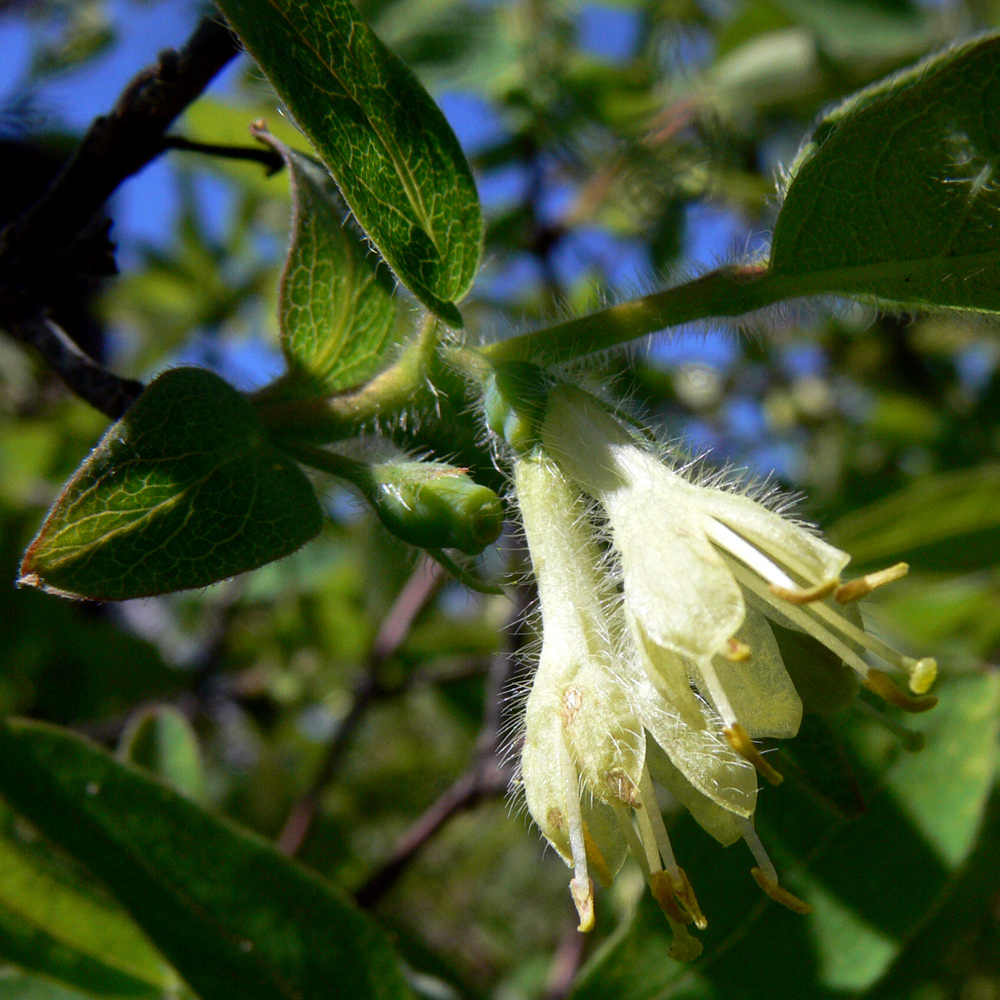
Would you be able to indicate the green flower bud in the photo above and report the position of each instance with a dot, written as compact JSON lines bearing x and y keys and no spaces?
{"x":434,"y":506}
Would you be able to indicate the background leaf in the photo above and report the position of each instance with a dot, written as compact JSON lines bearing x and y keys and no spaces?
{"x":947,"y":521}
{"x":183,"y":491}
{"x":52,"y":923}
{"x":393,"y":154}
{"x":894,"y":196}
{"x":338,"y":313}
{"x":161,"y":740}
{"x":235,"y":917}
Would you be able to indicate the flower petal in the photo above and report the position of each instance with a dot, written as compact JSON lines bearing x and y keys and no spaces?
{"x":759,"y":690}
{"x":703,"y":757}
{"x":722,"y":824}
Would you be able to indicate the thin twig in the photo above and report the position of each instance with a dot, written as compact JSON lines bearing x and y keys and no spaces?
{"x":121,"y":143}
{"x":487,"y":777}
{"x":109,"y":393}
{"x":49,"y":243}
{"x":270,"y":160}
{"x":415,"y":596}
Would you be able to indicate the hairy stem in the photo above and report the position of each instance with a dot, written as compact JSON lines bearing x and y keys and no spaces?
{"x":730,"y":291}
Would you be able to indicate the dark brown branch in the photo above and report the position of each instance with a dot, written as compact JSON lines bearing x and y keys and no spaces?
{"x":416,"y":595}
{"x":53,"y":241}
{"x":120,"y":144}
{"x":487,"y":777}
{"x":268,"y":159}
{"x":104,"y":391}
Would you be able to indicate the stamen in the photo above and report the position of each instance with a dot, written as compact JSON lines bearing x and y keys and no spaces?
{"x":779,"y":894}
{"x":581,"y":888}
{"x":882,"y":685}
{"x":650,"y":847}
{"x":805,"y":621}
{"x":780,"y":585}
{"x":685,"y":947}
{"x":687,"y":899}
{"x":596,"y":859}
{"x":740,"y":741}
{"x":854,"y":590}
{"x":583,"y":899}
{"x":635,"y":846}
{"x":923,"y":673}
{"x":766,"y":875}
{"x":753,"y":841}
{"x":807,"y":595}
{"x":663,"y":892}
{"x":679,"y":882}
{"x":737,"y":652}
{"x":659,"y":828}
{"x":748,"y":554}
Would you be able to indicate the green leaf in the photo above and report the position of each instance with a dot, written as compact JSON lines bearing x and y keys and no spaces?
{"x":183,"y":491}
{"x":338,"y":313}
{"x":54,"y":924}
{"x":949,"y":521}
{"x":393,"y":154}
{"x":894,"y":196}
{"x":873,"y":882}
{"x":235,"y":918}
{"x":161,"y":739}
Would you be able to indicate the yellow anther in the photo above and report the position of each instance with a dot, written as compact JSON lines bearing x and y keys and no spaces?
{"x":583,"y":898}
{"x":737,"y":652}
{"x":854,"y":590}
{"x":740,"y":741}
{"x":686,"y":897}
{"x":779,"y":894}
{"x":662,"y":889}
{"x":595,"y":859}
{"x":883,"y":685}
{"x":806,"y":595}
{"x":923,"y":673}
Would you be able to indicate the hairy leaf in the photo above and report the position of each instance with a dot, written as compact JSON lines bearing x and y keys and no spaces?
{"x":337,"y":313}
{"x":896,"y":194}
{"x":183,"y":491}
{"x":235,"y":918}
{"x":393,"y":154}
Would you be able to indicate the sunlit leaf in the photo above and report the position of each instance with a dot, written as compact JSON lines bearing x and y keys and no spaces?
{"x":337,"y":313}
{"x":895,"y":195}
{"x":183,"y":491}
{"x":235,"y":918}
{"x":393,"y":154}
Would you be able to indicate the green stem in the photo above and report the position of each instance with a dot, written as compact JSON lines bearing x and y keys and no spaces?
{"x":730,"y":291}
{"x":334,"y":418}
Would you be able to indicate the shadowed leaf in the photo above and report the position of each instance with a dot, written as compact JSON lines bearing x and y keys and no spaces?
{"x":183,"y":491}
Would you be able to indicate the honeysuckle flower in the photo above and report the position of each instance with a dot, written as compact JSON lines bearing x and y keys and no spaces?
{"x":703,"y":568}
{"x":597,"y":730}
